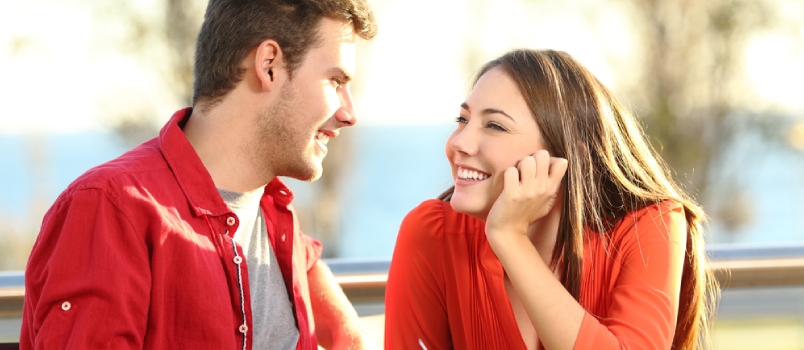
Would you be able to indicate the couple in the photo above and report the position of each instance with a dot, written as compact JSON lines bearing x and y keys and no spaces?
{"x":562,"y":230}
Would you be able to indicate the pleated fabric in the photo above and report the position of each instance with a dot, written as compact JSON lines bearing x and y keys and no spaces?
{"x":446,"y":290}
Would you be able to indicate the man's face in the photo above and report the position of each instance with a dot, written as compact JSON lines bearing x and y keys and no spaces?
{"x":311,"y":108}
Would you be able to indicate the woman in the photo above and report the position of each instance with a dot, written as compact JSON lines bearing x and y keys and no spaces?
{"x":563,"y":229}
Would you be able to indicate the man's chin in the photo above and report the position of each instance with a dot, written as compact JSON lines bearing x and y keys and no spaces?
{"x":308,"y":174}
{"x":315,"y":176}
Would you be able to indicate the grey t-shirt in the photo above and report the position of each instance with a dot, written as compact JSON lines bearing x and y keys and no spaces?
{"x":274,"y":322}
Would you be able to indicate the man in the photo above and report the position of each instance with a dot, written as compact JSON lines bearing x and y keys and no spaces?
{"x":189,"y":240}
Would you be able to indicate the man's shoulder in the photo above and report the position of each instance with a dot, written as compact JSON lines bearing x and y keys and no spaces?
{"x":134,"y":167}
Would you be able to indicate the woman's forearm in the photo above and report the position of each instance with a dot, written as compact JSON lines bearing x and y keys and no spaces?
{"x":553,"y":311}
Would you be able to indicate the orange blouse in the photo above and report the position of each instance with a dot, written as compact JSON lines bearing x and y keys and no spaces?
{"x":445,"y":287}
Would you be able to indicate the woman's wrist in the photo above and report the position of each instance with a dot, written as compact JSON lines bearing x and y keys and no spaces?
{"x":506,"y":242}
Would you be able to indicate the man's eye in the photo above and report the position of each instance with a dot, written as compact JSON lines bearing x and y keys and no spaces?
{"x":461,"y":120}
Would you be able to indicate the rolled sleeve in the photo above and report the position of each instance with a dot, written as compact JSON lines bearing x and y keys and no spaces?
{"x":313,"y":250}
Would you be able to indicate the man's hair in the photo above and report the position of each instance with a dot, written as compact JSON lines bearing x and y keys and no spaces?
{"x":232,"y":28}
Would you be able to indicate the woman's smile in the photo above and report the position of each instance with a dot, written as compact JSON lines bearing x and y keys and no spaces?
{"x":469,"y":176}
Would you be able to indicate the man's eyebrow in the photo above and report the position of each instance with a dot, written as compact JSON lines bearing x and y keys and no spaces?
{"x":340,"y":71}
{"x":488,"y":111}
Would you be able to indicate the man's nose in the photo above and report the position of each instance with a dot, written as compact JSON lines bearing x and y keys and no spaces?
{"x":346,"y":114}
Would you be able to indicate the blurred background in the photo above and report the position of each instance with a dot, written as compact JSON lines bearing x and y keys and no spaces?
{"x":717,"y":85}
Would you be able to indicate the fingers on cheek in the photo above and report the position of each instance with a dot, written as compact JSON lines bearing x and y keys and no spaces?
{"x":527,"y":165}
{"x":543,"y":159}
{"x":510,"y":179}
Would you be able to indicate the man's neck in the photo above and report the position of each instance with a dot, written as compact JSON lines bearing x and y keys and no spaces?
{"x":220,"y":139}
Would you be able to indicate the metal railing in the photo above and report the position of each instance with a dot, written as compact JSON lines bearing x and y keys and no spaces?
{"x":743,"y":266}
{"x":733,"y":267}
{"x":363,"y":281}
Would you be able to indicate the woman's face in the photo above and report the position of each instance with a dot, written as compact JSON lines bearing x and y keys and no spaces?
{"x":495,"y":131}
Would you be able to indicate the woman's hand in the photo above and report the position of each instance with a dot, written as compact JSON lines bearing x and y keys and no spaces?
{"x":528,"y":194}
{"x":529,"y":191}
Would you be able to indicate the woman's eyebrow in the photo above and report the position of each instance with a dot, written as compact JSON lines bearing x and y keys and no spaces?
{"x":488,"y":111}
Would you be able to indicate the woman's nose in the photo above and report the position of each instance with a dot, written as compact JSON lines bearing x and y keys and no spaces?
{"x":463,"y":141}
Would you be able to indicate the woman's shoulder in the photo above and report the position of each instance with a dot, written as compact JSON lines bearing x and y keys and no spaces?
{"x":664,"y":208}
{"x":431,"y":208}
{"x":660,"y":220}
{"x":435,"y":217}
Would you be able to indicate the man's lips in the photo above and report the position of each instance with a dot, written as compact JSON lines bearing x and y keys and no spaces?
{"x":323,"y":136}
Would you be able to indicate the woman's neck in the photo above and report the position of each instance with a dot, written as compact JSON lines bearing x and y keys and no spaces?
{"x":544,"y":232}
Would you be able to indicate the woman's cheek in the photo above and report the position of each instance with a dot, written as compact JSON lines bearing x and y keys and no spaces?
{"x":496,"y":188}
{"x":448,"y":148}
{"x":450,"y":153}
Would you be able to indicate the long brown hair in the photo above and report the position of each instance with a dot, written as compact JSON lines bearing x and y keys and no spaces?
{"x":612,"y":171}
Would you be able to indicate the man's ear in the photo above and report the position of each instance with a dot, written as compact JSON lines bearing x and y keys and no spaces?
{"x":268,"y":63}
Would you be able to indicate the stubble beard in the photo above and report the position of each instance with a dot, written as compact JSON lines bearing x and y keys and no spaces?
{"x":281,"y":148}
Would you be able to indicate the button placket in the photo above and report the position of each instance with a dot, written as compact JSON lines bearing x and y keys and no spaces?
{"x":238,"y":259}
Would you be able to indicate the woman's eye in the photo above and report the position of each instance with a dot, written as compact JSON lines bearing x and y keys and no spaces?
{"x":461,"y":120}
{"x":495,"y":126}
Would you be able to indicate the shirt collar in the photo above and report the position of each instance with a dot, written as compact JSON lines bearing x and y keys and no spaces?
{"x":279,"y":191}
{"x":188,"y":169}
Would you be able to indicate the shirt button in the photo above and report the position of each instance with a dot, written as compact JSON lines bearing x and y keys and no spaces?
{"x":283,"y":192}
{"x":283,"y":237}
{"x":66,"y":305}
{"x":243,"y":329}
{"x":230,"y":221}
{"x":238,"y":260}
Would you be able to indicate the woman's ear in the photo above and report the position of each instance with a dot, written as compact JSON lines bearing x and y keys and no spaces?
{"x":582,"y":147}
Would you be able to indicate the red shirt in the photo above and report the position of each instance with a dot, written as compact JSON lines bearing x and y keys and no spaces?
{"x":138,"y":253}
{"x":446,"y":287}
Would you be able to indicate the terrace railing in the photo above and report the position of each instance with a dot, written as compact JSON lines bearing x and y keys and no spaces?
{"x":363,"y":281}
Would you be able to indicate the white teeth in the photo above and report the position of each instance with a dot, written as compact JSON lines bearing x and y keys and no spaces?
{"x":467,"y":174}
{"x":322,"y":137}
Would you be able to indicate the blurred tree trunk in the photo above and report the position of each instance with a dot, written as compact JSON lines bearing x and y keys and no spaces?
{"x":692,"y":62}
{"x":181,"y":28}
{"x":19,"y":232}
{"x":173,"y":32}
{"x":690,"y":96}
